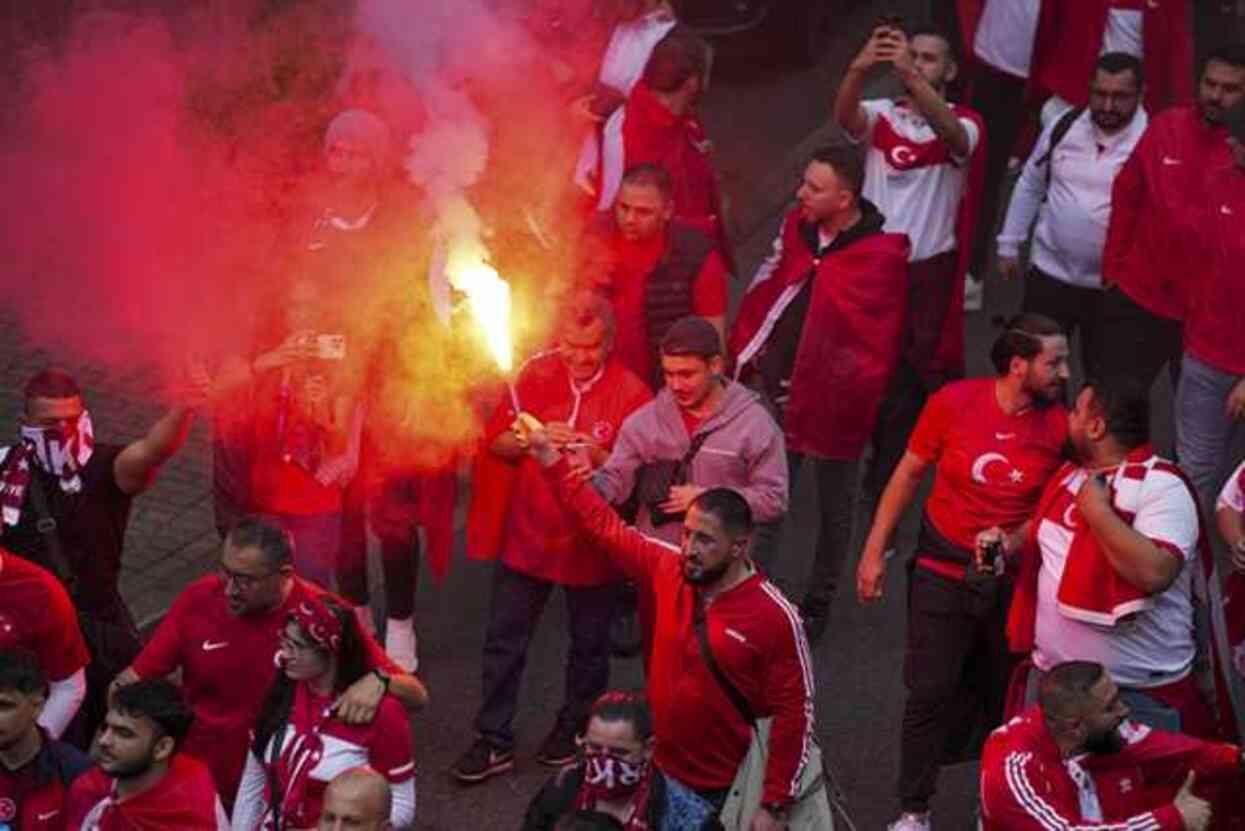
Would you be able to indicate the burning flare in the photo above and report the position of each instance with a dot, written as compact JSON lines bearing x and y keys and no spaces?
{"x":488,"y":297}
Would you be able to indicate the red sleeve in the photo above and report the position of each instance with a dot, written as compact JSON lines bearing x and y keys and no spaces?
{"x":709,"y":291}
{"x":1127,"y":195}
{"x":1168,"y":757}
{"x":163,"y":653}
{"x":789,"y":699}
{"x":59,"y":643}
{"x":634,"y":553}
{"x":1014,"y":797}
{"x":930,"y":433}
{"x":391,"y":752}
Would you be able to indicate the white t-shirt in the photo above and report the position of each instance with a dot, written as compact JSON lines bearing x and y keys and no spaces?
{"x":1153,"y":647}
{"x":1123,"y":32}
{"x":912,"y":175}
{"x":1005,"y":35}
{"x":1233,"y":494}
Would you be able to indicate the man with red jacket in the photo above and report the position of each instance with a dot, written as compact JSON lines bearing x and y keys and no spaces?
{"x":821,"y":331}
{"x":35,"y":770}
{"x":655,"y":269}
{"x":658,"y":125}
{"x":582,"y":396}
{"x":717,"y":621}
{"x":1073,"y":761}
{"x":1071,"y":34}
{"x":1210,"y":400}
{"x":1157,"y":219}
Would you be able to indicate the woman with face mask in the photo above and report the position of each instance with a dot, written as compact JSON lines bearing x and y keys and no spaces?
{"x":614,"y":775}
{"x":299,"y":744}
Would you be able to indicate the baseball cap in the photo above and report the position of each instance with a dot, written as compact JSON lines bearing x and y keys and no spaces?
{"x":692,"y":335}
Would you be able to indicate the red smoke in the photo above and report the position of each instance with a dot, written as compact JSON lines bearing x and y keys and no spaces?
{"x":153,"y":173}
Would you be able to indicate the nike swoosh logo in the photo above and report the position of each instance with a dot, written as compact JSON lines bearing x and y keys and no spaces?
{"x":209,"y":646}
{"x":1168,"y":160}
{"x":1225,"y":210}
{"x":1004,"y":436}
{"x":47,"y":816}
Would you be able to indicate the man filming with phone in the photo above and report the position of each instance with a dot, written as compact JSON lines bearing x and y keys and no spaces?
{"x":305,"y":427}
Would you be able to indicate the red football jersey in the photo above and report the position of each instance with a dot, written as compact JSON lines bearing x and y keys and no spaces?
{"x":36,"y":615}
{"x":184,"y":800}
{"x":316,"y":747}
{"x":991,"y":467}
{"x":227,"y":663}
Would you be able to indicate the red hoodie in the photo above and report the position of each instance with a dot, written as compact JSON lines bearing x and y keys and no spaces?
{"x":1069,"y":40}
{"x":1158,"y":210}
{"x":756,"y":638}
{"x":1028,"y":785}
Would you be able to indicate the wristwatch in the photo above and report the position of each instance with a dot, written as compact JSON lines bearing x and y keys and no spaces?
{"x":382,"y":677}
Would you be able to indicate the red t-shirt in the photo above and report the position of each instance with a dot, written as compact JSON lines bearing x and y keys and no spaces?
{"x":321,"y":748}
{"x":634,"y":262}
{"x":227,"y":663}
{"x":184,"y":800}
{"x":991,"y":467}
{"x":37,"y":616}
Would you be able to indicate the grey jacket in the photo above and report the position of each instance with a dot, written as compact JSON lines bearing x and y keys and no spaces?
{"x":745,"y":452}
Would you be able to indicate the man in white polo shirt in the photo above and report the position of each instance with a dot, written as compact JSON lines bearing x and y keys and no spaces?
{"x":1066,"y":185}
{"x":920,"y":148}
{"x":1117,"y":546}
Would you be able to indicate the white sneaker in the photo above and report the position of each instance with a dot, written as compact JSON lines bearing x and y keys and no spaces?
{"x":401,"y":644}
{"x":363,"y":614}
{"x":974,"y":294}
{"x":910,"y":822}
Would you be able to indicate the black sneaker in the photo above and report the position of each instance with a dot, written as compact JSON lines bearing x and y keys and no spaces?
{"x":482,"y":761}
{"x":559,"y":747}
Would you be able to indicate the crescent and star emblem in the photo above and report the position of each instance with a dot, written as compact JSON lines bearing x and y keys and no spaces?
{"x":902,"y":155}
{"x":1015,"y":475}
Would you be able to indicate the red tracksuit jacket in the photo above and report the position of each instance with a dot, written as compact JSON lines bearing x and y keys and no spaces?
{"x":1027,"y":785}
{"x":756,"y":638}
{"x":1158,"y":212}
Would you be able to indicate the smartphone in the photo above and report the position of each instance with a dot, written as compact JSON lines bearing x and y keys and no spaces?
{"x":331,"y":347}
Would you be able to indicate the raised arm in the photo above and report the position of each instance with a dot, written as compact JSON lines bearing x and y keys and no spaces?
{"x":135,"y":466}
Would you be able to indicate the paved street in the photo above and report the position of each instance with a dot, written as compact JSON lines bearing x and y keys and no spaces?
{"x":763,"y":124}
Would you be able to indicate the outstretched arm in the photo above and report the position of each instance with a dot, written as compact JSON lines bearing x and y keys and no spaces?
{"x":135,"y":466}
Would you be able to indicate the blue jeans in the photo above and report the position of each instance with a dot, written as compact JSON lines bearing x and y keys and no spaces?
{"x":317,"y":539}
{"x":1145,"y":709}
{"x":1204,"y":433}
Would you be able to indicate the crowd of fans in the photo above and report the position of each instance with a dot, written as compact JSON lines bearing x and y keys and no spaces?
{"x":1065,"y":582}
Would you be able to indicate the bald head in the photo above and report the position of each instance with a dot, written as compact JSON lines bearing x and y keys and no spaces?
{"x":357,"y":800}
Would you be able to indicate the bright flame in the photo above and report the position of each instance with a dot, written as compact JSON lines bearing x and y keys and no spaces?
{"x":488,"y":296}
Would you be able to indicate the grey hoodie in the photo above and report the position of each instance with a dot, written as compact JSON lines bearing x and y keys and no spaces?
{"x":745,"y":452}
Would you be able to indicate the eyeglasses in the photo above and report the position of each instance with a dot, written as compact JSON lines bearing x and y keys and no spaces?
{"x":246,"y":582}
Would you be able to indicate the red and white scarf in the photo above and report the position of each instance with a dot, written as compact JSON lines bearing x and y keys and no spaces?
{"x":63,"y":453}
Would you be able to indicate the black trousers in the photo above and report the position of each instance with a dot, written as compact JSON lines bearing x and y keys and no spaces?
{"x":518,"y":601}
{"x":836,"y":501}
{"x":1135,"y":343}
{"x":956,"y":656}
{"x":1074,"y":308}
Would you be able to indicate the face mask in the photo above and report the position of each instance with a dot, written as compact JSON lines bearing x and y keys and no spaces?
{"x":608,"y":776}
{"x":61,"y":451}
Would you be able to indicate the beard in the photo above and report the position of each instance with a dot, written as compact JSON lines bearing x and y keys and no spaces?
{"x":698,"y":576}
{"x":1049,"y":395}
{"x":125,"y":770}
{"x":1106,"y":743}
